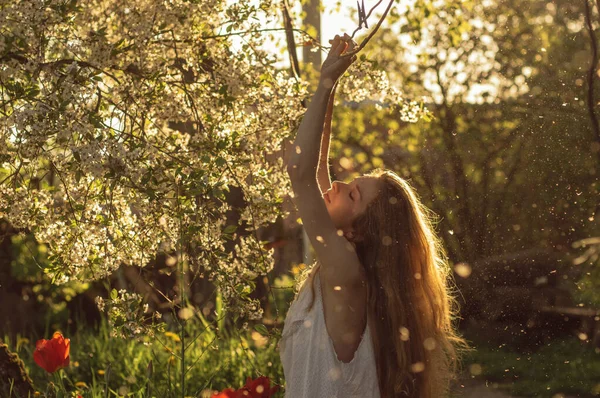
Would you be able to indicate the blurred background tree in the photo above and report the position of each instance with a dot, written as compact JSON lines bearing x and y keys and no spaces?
{"x":508,"y":160}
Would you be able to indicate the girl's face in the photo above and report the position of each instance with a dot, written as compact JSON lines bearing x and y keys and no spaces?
{"x":345,"y":202}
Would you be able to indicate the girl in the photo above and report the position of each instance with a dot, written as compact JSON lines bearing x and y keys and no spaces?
{"x":377,"y":321}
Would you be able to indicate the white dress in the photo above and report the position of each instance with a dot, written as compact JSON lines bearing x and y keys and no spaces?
{"x":310,"y":364}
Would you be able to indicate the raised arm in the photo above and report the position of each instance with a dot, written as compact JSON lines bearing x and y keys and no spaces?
{"x":323,"y":176}
{"x":308,"y":157}
{"x":304,"y":156}
{"x":310,"y":151}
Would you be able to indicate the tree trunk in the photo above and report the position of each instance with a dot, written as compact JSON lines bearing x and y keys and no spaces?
{"x":312,"y":24}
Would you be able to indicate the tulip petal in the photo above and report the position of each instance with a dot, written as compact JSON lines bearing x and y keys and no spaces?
{"x":52,"y":354}
{"x":40,"y":358}
{"x":40,"y":343}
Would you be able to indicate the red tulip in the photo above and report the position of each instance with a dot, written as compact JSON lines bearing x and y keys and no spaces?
{"x":52,"y":354}
{"x":228,"y":393}
{"x":260,"y":388}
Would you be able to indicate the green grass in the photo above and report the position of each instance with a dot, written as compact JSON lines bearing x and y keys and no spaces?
{"x":213,"y":362}
{"x":218,"y":357}
{"x":223,"y":358}
{"x":218,"y":361}
{"x":567,"y":367}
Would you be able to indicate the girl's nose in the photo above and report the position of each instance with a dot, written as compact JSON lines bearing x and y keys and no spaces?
{"x":335,"y":186}
{"x":338,"y":185}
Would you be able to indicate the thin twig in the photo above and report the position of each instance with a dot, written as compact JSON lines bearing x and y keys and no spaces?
{"x":363,"y":18}
{"x":58,"y":63}
{"x":371,"y":10}
{"x":68,"y":61}
{"x":371,"y":34}
{"x":239,"y":33}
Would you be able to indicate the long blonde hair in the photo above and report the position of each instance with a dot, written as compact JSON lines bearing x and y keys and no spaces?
{"x":411,"y":308}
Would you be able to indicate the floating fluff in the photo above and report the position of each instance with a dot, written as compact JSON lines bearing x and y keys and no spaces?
{"x":429,"y":344}
{"x":404,"y":334}
{"x":417,"y":367}
{"x":475,"y":369}
{"x":463,"y":270}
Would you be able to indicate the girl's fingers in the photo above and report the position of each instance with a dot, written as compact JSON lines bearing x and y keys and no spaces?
{"x":333,"y":43}
{"x":338,"y":43}
{"x":341,"y":45}
{"x":340,"y":48}
{"x":348,"y":44}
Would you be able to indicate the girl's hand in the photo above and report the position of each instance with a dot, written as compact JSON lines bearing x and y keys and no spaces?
{"x":335,"y":66}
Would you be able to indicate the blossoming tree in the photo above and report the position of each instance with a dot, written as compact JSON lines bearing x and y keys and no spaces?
{"x":125,"y":125}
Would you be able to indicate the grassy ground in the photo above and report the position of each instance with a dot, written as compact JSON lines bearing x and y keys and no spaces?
{"x":153,"y":367}
{"x":217,"y":358}
{"x":559,"y":369}
{"x":564,"y":368}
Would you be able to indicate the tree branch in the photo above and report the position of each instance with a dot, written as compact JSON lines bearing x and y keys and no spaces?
{"x":289,"y":37}
{"x":372,"y":33}
{"x":61,"y":62}
{"x":362,"y":17}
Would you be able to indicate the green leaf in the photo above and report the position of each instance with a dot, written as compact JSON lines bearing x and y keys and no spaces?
{"x":262,"y":329}
{"x":230,"y":229}
{"x":33,"y":92}
{"x":222,"y":144}
{"x":220,"y":162}
{"x":114,"y":294}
